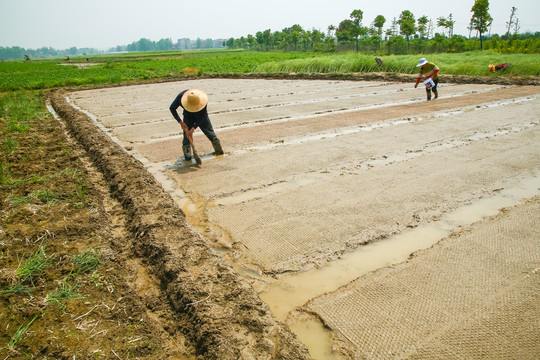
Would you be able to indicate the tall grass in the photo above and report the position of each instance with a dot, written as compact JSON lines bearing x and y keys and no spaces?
{"x":469,"y":63}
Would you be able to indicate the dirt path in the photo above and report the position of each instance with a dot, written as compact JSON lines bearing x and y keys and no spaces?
{"x":313,"y":171}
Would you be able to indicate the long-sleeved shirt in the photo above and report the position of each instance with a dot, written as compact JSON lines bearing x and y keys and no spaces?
{"x":192,"y":119}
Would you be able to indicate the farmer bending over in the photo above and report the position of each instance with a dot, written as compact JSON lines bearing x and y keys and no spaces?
{"x":430,"y":71}
{"x":194,"y":102}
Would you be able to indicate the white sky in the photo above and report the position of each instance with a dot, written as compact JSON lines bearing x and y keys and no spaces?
{"x":102,"y":24}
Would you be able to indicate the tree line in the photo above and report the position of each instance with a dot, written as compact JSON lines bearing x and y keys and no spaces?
{"x":405,"y":34}
{"x":143,"y":44}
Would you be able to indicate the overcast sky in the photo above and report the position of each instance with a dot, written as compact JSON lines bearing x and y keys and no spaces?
{"x":102,"y":24}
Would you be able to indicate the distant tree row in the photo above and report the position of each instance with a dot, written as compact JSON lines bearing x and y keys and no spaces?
{"x":17,"y":52}
{"x":143,"y":44}
{"x":405,"y":34}
{"x":167,"y":44}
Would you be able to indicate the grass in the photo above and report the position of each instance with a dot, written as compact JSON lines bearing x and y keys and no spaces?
{"x":10,"y":144}
{"x":86,"y":262}
{"x":44,"y":196}
{"x":64,"y":292}
{"x":33,"y":266}
{"x":5,"y":175}
{"x":17,"y":108}
{"x":21,"y":330}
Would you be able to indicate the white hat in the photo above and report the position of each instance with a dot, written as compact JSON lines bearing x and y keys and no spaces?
{"x":194,"y":100}
{"x":423,"y":61}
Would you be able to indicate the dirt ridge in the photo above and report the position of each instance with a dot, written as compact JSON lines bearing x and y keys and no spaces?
{"x":227,"y":319}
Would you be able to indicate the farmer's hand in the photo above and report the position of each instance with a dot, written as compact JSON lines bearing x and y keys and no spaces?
{"x":415,"y":85}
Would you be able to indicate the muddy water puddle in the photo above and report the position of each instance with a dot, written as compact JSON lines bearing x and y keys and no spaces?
{"x":291,"y":292}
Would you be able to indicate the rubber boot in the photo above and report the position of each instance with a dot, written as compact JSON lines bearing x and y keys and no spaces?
{"x":187,"y":152}
{"x":217,"y":147}
{"x":436,"y":93}
{"x":428,"y":94}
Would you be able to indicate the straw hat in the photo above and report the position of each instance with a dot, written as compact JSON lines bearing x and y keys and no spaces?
{"x":423,"y":61}
{"x":194,"y":100}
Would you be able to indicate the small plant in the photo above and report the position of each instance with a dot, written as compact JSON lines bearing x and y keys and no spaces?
{"x":64,"y":292}
{"x":81,"y":191}
{"x":4,"y":174}
{"x":33,"y":266}
{"x":45,"y":196}
{"x":10,"y":144}
{"x":70,"y":172}
{"x":86,"y":262}
{"x":21,"y":330}
{"x":16,"y":289}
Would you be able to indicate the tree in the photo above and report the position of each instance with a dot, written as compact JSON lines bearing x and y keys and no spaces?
{"x":446,"y":23}
{"x":516,"y":26}
{"x":357,"y":29}
{"x":331,"y":31}
{"x":392,"y":31}
{"x":481,"y":20}
{"x":344,"y":32}
{"x":407,"y":23}
{"x":379,"y":23}
{"x":450,"y":25}
{"x":511,"y":22}
{"x":251,"y":41}
{"x":422,"y":26}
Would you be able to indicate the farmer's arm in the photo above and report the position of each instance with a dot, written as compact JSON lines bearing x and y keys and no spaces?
{"x":418,"y":79}
{"x":173,"y":108}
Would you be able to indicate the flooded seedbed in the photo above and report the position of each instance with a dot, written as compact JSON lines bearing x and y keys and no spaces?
{"x":336,"y":201}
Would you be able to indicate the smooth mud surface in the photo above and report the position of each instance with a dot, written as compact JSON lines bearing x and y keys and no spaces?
{"x":323,"y":184}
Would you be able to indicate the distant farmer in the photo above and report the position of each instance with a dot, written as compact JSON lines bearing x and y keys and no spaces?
{"x":500,"y":67}
{"x":430,"y":71}
{"x":194,"y":102}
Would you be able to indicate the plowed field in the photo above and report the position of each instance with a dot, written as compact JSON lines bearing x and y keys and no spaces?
{"x":315,"y":171}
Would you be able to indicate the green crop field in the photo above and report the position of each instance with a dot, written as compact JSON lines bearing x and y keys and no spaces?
{"x":136,"y":67}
